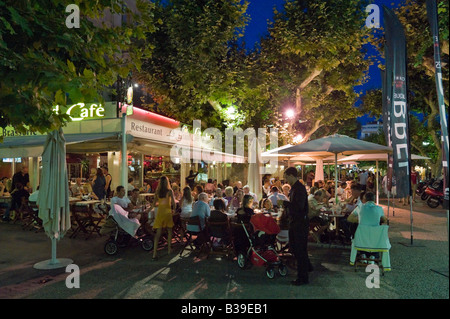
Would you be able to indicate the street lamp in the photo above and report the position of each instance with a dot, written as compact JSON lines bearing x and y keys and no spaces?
{"x":290,"y":113}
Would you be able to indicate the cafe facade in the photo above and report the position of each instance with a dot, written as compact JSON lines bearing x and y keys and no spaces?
{"x":131,"y":143}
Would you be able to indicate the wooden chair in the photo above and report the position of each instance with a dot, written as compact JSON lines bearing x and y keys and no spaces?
{"x":32,"y":220}
{"x":220,"y":230}
{"x":191,"y":236}
{"x":80,"y":219}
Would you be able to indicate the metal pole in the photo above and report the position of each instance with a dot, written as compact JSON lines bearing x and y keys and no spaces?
{"x":335,"y":179}
{"x":124,"y":168}
{"x":376,"y":184}
{"x":388,"y":193}
{"x":411,"y":217}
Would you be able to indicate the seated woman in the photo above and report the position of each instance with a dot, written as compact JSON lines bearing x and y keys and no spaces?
{"x":218,"y":215}
{"x":267,"y":206}
{"x":186,"y":202}
{"x":246,"y":211}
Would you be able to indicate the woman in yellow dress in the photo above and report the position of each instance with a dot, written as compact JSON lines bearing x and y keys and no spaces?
{"x":165,"y":203}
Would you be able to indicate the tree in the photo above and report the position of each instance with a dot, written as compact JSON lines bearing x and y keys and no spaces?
{"x":196,"y":62}
{"x":44,"y":63}
{"x":315,"y":55}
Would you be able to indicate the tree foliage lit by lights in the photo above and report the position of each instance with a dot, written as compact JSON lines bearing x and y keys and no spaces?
{"x":314,"y":56}
{"x":44,"y":63}
{"x":196,"y":66}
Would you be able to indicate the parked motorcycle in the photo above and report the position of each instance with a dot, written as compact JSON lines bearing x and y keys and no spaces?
{"x":435,"y":196}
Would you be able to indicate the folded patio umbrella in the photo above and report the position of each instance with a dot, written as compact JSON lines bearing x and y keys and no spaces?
{"x":53,"y":198}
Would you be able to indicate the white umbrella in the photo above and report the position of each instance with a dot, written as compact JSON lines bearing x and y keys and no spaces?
{"x":53,"y":199}
{"x":254,"y":178}
{"x":318,"y":176}
{"x":376,"y":158}
{"x":334,"y":145}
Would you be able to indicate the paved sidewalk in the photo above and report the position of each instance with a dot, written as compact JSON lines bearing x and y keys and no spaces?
{"x":418,"y":272}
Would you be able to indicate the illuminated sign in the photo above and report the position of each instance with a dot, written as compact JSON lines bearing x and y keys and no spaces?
{"x":81,"y":111}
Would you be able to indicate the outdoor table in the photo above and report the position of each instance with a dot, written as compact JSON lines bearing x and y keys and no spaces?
{"x":336,"y":218}
{"x":5,"y":199}
{"x":147,"y":196}
{"x":85,"y":216}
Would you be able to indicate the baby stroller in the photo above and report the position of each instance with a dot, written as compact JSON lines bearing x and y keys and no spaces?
{"x":124,"y":232}
{"x":261,"y":251}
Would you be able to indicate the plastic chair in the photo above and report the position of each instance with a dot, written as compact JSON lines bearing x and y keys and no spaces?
{"x":371,"y":239}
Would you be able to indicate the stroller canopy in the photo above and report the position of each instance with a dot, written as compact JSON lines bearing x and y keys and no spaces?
{"x":120,"y":215}
{"x":265,"y":223}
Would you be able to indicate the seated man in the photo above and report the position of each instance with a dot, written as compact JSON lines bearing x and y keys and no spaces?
{"x":315,"y":207}
{"x":77,"y":189}
{"x":218,"y":195}
{"x":17,"y":194}
{"x":353,"y":202}
{"x":120,"y":208}
{"x":275,"y":196}
{"x":202,"y":210}
{"x":368,"y":214}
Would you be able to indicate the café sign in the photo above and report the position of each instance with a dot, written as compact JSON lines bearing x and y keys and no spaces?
{"x":82,"y":111}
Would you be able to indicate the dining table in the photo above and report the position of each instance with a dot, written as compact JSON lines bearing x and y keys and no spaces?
{"x":86,"y":217}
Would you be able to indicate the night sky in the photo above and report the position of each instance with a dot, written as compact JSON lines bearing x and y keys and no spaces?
{"x":262,"y":10}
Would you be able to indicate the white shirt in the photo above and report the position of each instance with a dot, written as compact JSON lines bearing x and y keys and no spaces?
{"x":274,"y":197}
{"x":186,"y":209}
{"x":123,"y":202}
{"x":363,"y":178}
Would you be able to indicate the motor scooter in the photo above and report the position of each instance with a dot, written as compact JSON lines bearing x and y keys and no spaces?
{"x":435,"y":196}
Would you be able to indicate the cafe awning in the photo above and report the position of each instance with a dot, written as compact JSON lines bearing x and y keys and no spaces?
{"x":33,"y":146}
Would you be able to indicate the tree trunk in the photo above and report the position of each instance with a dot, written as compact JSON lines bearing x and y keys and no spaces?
{"x":298,"y":98}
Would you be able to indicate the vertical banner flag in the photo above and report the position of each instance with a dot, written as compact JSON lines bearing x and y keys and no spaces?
{"x":386,"y":77}
{"x":399,"y":104}
{"x":433,"y":19}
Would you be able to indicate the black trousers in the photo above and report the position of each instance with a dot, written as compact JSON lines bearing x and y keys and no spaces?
{"x":298,"y":241}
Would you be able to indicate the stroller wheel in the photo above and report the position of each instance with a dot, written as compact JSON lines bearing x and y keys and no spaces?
{"x":270,"y":272}
{"x":111,"y":247}
{"x":242,"y":261}
{"x":147,"y":244}
{"x":282,"y":270}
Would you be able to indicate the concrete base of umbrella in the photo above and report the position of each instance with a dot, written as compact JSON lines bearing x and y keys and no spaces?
{"x":53,"y":263}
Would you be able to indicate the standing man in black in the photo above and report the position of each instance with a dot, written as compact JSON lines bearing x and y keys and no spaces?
{"x":21,"y":177}
{"x":190,"y":180}
{"x":297,"y":209}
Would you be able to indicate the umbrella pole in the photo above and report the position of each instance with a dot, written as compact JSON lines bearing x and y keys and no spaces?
{"x":53,"y":261}
{"x":376,"y":184}
{"x":335,"y":179}
{"x":389,"y":197}
{"x":411,"y":216}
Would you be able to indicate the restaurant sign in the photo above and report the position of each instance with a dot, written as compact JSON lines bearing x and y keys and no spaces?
{"x":88,"y":111}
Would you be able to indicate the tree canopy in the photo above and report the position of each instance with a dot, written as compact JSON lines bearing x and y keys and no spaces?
{"x":43,"y":63}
